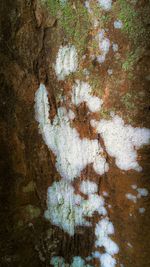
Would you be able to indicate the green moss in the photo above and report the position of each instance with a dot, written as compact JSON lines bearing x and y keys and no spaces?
{"x":105,"y":114}
{"x":105,"y":19}
{"x":128,"y":101}
{"x":133,"y":21}
{"x":53,"y":6}
{"x":128,"y":16}
{"x":96,"y":9}
{"x":130,"y":62}
{"x":29,"y":187}
{"x":32,"y":211}
{"x":78,"y":75}
{"x":96,"y":85}
{"x":73,"y":19}
{"x":100,"y":15}
{"x":131,"y":59}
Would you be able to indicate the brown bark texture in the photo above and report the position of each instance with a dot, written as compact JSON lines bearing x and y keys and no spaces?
{"x":30,"y":38}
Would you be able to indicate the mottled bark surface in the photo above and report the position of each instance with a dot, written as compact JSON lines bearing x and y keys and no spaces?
{"x":29,"y":41}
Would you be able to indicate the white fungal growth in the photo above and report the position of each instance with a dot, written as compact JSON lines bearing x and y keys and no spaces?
{"x":95,"y":23}
{"x":105,"y":4}
{"x":104,"y":45}
{"x":87,"y":5}
{"x":105,"y":259}
{"x":94,"y":203}
{"x":143,"y":192}
{"x":134,"y":186}
{"x":87,"y":187}
{"x":131,"y":197}
{"x":81,"y":92}
{"x":115,"y":47}
{"x":71,"y":115}
{"x":42,"y":107}
{"x":122,"y":141}
{"x":66,"y":61}
{"x":118,"y":24}
{"x":72,"y":153}
{"x":110,"y":71}
{"x":68,"y":210}
{"x":100,"y":35}
{"x":105,"y":194}
{"x":103,"y":229}
{"x":79,"y":262}
{"x":63,"y":1}
{"x":60,"y":262}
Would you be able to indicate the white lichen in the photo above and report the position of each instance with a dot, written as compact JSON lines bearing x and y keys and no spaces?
{"x":105,"y":259}
{"x":87,"y":5}
{"x":131,"y":197}
{"x":81,"y":92}
{"x":87,"y":187}
{"x":68,"y":210}
{"x":104,"y":45}
{"x":42,"y":107}
{"x":66,"y":61}
{"x":140,"y":192}
{"x":118,"y":24}
{"x":143,"y":192}
{"x":72,"y":153}
{"x":134,"y":186}
{"x":103,"y":229}
{"x":95,"y":23}
{"x":122,"y":141}
{"x":60,"y":262}
{"x":115,"y":47}
{"x":105,"y":4}
{"x":110,"y":71}
{"x":105,"y":194}
{"x":79,"y":262}
{"x":71,"y":115}
{"x":63,"y":1}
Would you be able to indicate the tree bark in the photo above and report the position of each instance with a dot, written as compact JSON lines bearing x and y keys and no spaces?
{"x":30,"y":37}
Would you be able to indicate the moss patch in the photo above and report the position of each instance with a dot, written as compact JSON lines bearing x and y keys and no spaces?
{"x":73,"y":19}
{"x":134,"y":21}
{"x":128,"y":101}
{"x":32,"y":212}
{"x":29,"y":187}
{"x":130,"y":62}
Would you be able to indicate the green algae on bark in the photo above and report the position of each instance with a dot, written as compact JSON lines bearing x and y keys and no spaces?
{"x":73,"y":19}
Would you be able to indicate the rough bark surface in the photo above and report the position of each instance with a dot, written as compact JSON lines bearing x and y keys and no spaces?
{"x":29,"y":41}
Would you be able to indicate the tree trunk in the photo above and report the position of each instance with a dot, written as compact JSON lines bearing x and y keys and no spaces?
{"x":111,"y":60}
